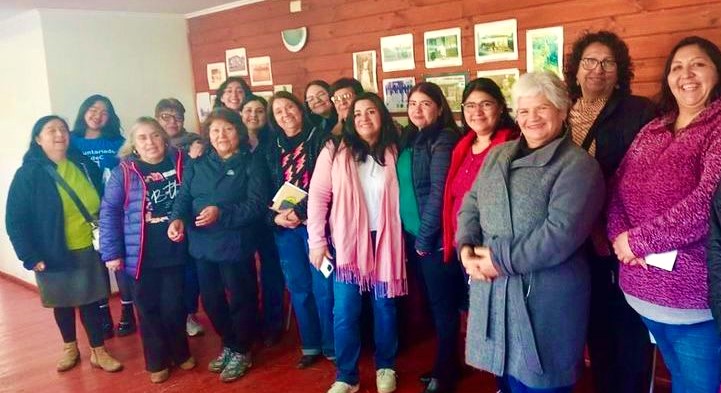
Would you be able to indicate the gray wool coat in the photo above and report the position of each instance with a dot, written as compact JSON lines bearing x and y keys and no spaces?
{"x":534,"y":213}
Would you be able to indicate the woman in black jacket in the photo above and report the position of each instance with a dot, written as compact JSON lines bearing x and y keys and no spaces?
{"x":52,"y":236}
{"x":423,"y":164}
{"x":604,"y":120}
{"x":222,"y":196}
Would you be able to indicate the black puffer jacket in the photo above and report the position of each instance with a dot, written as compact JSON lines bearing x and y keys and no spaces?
{"x":432,"y":150}
{"x":240,"y":187}
{"x":713,"y":257}
{"x":34,"y":212}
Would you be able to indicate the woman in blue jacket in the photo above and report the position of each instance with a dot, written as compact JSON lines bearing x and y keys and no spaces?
{"x":134,"y":218}
{"x":222,"y":197}
{"x":423,"y":164}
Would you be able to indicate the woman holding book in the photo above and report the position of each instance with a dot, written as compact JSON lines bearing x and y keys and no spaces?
{"x":291,"y":157}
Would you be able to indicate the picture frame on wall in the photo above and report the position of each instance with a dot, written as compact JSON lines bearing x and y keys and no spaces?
{"x":395,"y":93}
{"x":443,"y":48}
{"x":288,"y":88}
{"x":452,"y":85}
{"x":203,"y":105}
{"x":496,"y":41}
{"x":216,"y":75}
{"x":266,"y":94}
{"x":544,"y":50}
{"x":261,"y":73}
{"x":364,"y":70}
{"x":504,"y":78}
{"x":236,"y":62}
{"x":397,"y":53}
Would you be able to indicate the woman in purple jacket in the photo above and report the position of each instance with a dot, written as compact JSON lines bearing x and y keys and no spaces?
{"x":659,"y":211}
{"x":134,"y":218}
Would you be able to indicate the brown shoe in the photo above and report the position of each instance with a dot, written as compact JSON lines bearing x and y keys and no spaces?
{"x":188,"y":364}
{"x":100,"y":358}
{"x":71,"y":357}
{"x":160,"y":376}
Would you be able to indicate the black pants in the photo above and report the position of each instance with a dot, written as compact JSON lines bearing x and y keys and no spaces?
{"x":159,"y":300}
{"x":444,"y":286}
{"x":618,"y":342}
{"x":233,"y":315}
{"x":271,"y":279}
{"x":90,"y":317}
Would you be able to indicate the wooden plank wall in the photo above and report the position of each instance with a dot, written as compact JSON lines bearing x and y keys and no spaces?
{"x":337,"y":28}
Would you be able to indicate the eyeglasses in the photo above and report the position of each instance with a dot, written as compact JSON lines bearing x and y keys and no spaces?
{"x":170,"y":116}
{"x":483,"y":105}
{"x":318,"y":97}
{"x":589,"y":63}
{"x":342,"y":97}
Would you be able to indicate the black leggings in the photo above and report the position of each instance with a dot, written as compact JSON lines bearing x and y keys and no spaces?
{"x":90,"y":317}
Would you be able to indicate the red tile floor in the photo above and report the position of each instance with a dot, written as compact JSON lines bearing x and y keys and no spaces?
{"x":30,"y":345}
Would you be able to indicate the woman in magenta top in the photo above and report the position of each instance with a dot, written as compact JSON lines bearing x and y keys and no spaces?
{"x":486,"y":115}
{"x":660,"y":203}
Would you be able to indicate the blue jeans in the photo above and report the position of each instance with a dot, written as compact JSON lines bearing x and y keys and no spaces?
{"x":347,"y":313}
{"x":508,"y":384}
{"x":271,"y":279}
{"x":691,"y":354}
{"x":310,"y":292}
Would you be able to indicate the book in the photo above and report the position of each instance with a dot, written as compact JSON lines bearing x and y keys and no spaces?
{"x":288,"y":196}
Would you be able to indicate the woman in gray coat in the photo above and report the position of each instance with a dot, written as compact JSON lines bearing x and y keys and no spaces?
{"x":520,"y":232}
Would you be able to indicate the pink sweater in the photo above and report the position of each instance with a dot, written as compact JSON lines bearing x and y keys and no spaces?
{"x":661,"y":195}
{"x":335,"y":184}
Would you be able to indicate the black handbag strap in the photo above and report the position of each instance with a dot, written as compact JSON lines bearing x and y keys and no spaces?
{"x":71,"y":193}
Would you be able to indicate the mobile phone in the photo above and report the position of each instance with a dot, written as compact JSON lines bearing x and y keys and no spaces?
{"x":326,"y":267}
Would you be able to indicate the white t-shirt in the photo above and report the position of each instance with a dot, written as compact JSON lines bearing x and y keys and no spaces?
{"x":372,"y":177}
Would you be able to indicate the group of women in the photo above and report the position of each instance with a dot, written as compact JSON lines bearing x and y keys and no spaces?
{"x":583,"y":221}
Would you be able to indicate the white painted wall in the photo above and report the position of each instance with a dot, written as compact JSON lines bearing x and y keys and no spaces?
{"x":24,"y":97}
{"x":53,"y":59}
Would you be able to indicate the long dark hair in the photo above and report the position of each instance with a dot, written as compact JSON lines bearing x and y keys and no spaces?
{"x":388,"y":138}
{"x":434,"y":92}
{"x":318,"y":119}
{"x":666,"y":101}
{"x":488,"y":86}
{"x":618,"y":47}
{"x":112,"y":127}
{"x":38,"y":128}
{"x":219,"y":92}
{"x":264,"y":130}
{"x":307,"y":123}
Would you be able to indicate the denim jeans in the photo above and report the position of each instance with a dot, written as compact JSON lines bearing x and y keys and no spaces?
{"x":347,"y":313}
{"x":508,"y":384}
{"x":691,"y":354}
{"x":310,"y":292}
{"x":271,"y":279}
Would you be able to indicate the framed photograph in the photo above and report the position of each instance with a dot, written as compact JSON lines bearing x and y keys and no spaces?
{"x":544,"y":50}
{"x":395,"y":93}
{"x":288,"y":88}
{"x":495,"y":41}
{"x":216,"y":75}
{"x":267,"y":94}
{"x":236,"y":62}
{"x":260,"y":72}
{"x":505,"y":79}
{"x":397,"y":53}
{"x":443,"y":48}
{"x":204,"y":105}
{"x":452,"y":85}
{"x":364,"y":69}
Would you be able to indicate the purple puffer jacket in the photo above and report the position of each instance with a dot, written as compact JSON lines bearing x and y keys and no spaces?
{"x":122,"y":227}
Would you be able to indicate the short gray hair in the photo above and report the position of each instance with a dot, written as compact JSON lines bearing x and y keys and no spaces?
{"x":545,"y":83}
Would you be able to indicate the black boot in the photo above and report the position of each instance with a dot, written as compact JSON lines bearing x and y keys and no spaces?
{"x":126,"y":326}
{"x":107,"y":320}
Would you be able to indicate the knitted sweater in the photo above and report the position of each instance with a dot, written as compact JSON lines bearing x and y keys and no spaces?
{"x":662,"y":196}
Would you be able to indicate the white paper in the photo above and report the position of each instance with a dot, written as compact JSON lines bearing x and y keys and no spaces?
{"x":664,"y":260}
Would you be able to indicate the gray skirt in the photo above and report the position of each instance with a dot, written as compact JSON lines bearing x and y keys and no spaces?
{"x":86,"y":282}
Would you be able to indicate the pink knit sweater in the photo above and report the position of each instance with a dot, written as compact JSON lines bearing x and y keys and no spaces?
{"x":335,"y":184}
{"x":661,"y":195}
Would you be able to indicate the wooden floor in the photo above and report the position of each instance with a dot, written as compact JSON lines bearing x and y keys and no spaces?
{"x":30,"y":345}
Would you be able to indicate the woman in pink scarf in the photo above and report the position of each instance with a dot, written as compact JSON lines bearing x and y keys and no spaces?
{"x":357,"y":183}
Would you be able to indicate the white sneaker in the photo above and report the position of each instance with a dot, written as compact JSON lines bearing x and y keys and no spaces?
{"x":192,"y":326}
{"x":342,"y":387}
{"x":386,"y":380}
